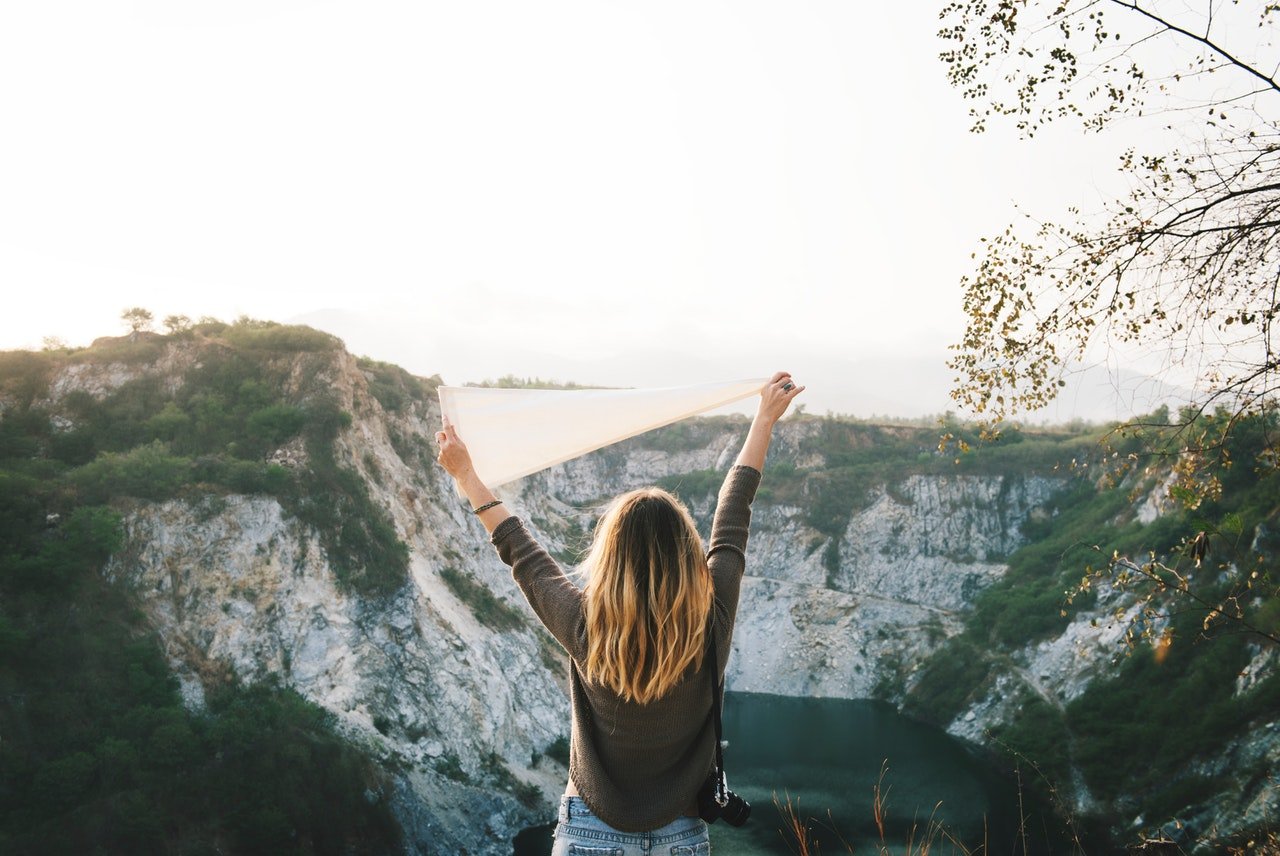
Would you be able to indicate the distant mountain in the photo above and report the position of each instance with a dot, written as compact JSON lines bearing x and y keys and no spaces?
{"x":840,"y":380}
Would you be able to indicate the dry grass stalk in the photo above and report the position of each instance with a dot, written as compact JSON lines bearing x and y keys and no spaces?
{"x":799,"y":831}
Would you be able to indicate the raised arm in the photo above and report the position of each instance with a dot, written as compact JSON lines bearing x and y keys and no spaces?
{"x":456,"y":461}
{"x":726,"y":555}
{"x":556,"y":601}
{"x":775,"y":398}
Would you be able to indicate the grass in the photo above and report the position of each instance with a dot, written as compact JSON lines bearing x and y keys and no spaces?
{"x":488,"y":610}
{"x":924,"y":837}
{"x":501,"y":777}
{"x":797,"y":831}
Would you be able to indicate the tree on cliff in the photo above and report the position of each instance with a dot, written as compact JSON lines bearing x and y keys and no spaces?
{"x":1186,"y":265}
{"x":177,"y":324}
{"x":137,"y":318}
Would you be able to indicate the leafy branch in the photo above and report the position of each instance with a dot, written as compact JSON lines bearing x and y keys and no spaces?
{"x":1155,"y":580}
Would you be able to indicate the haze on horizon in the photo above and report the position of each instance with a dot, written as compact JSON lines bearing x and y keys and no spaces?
{"x":615,"y":194}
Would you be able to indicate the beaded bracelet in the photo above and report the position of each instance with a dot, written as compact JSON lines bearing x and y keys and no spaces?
{"x":486,"y":506}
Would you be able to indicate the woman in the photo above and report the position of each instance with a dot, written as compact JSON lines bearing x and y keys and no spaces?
{"x":642,"y":739}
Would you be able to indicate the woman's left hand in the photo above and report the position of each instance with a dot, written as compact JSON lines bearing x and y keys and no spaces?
{"x":776,"y":396}
{"x":453,"y":456}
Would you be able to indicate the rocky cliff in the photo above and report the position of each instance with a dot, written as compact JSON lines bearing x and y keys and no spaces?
{"x":450,"y":682}
{"x":463,"y":707}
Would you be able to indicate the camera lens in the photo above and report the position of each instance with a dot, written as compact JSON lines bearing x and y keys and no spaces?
{"x":736,"y":812}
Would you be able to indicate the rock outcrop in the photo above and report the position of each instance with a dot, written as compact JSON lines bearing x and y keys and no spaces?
{"x":460,"y":709}
{"x":463,"y":713}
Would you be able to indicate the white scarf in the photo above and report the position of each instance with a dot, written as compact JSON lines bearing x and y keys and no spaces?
{"x":511,"y":433}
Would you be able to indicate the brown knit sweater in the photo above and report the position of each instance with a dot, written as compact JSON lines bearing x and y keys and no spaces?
{"x":638,"y":766}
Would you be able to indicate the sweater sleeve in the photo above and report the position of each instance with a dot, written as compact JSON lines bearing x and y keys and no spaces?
{"x":727,"y":557}
{"x":554,"y":598}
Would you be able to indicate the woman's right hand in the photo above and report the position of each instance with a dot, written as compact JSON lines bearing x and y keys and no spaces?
{"x":775,"y":397}
{"x":456,"y":461}
{"x":453,"y":456}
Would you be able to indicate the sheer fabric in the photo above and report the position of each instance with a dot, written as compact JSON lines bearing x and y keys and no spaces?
{"x":514,"y":432}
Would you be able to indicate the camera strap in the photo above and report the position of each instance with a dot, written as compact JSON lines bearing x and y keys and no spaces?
{"x":713,"y":669}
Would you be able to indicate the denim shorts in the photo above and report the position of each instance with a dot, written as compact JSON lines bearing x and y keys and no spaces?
{"x":581,"y":833}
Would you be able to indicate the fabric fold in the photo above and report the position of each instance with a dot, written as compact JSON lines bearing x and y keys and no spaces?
{"x":514,"y":432}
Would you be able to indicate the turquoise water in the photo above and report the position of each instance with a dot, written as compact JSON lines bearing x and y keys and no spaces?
{"x":826,"y":755}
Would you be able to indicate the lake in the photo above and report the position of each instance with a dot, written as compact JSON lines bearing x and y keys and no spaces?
{"x":826,"y":755}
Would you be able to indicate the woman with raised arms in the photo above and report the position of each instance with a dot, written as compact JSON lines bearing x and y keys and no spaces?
{"x":643,"y":741}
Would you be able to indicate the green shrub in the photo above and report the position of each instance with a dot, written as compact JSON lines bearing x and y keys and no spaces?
{"x":60,"y":558}
{"x":252,"y":335}
{"x":22,"y":433}
{"x":1133,"y":733}
{"x":101,"y":757}
{"x":831,"y":559}
{"x":136,"y":350}
{"x":1038,"y":732}
{"x":231,"y":412}
{"x":693,"y":485}
{"x":1134,"y":730}
{"x":558,"y":750}
{"x":274,"y":424}
{"x":25,"y":375}
{"x":957,"y":674}
{"x":488,"y":610}
{"x":359,"y":539}
{"x":21,"y":513}
{"x":392,"y":386}
{"x":551,"y":654}
{"x":209,"y":326}
{"x":145,"y":472}
{"x":450,"y":767}
{"x":63,"y":783}
{"x":504,"y":779}
{"x":681,"y":436}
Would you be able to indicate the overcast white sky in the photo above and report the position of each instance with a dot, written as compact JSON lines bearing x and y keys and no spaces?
{"x":608,"y":192}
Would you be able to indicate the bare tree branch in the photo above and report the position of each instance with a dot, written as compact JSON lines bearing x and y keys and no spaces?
{"x":1204,"y":40}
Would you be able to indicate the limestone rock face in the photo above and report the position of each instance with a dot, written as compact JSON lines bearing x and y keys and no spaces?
{"x":1091,"y":647}
{"x":938,"y":540}
{"x":241,"y":587}
{"x":461,"y":713}
{"x":908,"y":563}
{"x":236,"y":586}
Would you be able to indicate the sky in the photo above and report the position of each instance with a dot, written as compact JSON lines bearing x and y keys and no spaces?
{"x":612,"y":193}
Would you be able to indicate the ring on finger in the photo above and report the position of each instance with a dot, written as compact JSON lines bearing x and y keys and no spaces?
{"x":788,"y":386}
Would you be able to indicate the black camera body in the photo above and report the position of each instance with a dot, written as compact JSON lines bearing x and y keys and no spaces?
{"x":715,"y":803}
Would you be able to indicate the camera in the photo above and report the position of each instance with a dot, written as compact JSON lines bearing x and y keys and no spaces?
{"x":715,"y":803}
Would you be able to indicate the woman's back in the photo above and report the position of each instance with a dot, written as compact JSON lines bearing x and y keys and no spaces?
{"x":638,"y":765}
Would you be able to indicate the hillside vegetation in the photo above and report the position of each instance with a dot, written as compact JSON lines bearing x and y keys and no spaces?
{"x":99,"y":754}
{"x":1143,"y":739}
{"x":1142,"y":734}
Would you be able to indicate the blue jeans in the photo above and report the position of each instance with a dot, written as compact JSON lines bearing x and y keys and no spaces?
{"x":581,"y":833}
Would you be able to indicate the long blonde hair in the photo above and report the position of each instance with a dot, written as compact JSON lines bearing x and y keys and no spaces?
{"x":648,"y":594}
